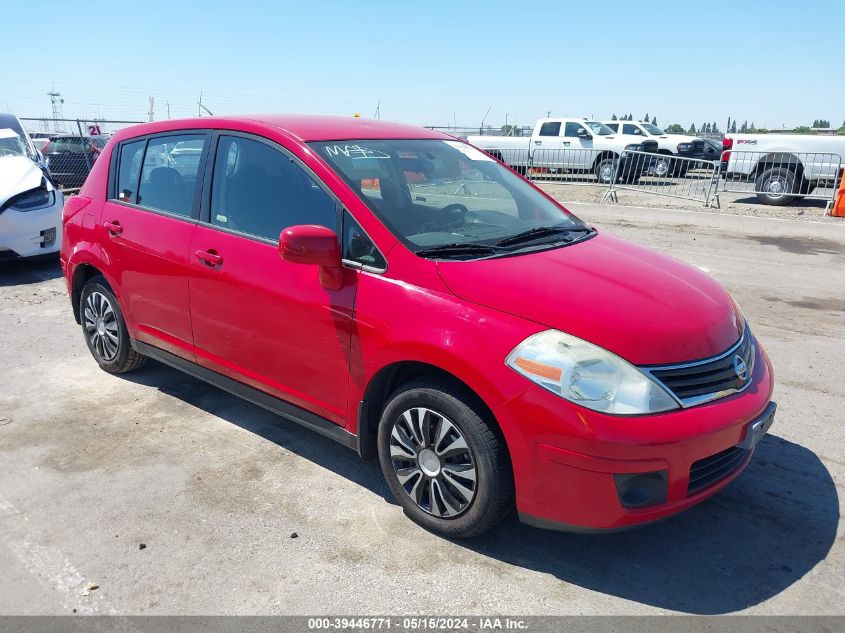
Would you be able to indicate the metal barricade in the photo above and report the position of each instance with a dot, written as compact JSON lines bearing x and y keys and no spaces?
{"x":517,"y":158}
{"x":664,"y":175}
{"x":574,"y":166}
{"x":779,"y":178}
{"x":569,"y":166}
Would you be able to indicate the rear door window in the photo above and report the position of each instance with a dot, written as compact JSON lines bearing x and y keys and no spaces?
{"x":169,"y":173}
{"x":550,"y":128}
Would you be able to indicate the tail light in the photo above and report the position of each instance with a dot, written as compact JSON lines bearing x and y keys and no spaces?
{"x":727,"y":144}
{"x":46,"y":147}
{"x":74,"y":205}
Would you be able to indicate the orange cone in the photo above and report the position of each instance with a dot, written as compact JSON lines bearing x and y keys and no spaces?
{"x":838,"y":209}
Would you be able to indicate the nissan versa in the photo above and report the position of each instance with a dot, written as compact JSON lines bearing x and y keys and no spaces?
{"x":407,"y":295}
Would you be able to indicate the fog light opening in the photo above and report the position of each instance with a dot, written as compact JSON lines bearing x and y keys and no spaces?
{"x":638,"y":490}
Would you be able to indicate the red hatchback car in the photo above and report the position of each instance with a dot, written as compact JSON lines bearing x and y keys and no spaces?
{"x":403,"y":293}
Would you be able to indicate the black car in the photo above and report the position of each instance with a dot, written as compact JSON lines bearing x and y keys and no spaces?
{"x":70,"y":158}
{"x":701,"y":148}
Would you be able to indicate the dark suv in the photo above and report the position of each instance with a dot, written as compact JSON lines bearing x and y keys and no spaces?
{"x":70,"y":158}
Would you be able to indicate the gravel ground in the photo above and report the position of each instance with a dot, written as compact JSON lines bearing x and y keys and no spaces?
{"x":176,"y":498}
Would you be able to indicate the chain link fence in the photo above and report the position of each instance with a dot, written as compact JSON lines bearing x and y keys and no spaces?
{"x":70,"y":147}
{"x":483,"y":130}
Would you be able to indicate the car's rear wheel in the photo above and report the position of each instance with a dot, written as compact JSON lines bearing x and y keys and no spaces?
{"x":105,"y":329}
{"x":774,"y":186}
{"x":443,"y":461}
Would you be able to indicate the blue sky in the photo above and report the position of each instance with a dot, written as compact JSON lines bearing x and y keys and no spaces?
{"x":430,"y":62}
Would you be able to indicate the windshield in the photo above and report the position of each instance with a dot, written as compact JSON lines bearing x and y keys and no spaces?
{"x":599,"y":128}
{"x":652,"y":129}
{"x":11,"y":144}
{"x":433,"y":193}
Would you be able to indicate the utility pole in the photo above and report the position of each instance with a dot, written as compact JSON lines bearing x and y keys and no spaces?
{"x":201,"y":107}
{"x":152,"y":109}
{"x":56,"y":101}
{"x":168,"y":110}
{"x":484,"y":118}
{"x":377,"y":115}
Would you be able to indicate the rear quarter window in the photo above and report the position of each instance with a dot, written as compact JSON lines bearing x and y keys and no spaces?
{"x":129,"y":170}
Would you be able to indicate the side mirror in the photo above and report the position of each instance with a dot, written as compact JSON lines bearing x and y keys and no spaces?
{"x":315,"y":245}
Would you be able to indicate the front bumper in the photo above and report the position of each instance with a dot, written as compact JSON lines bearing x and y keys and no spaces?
{"x":30,"y":233}
{"x":569,"y":462}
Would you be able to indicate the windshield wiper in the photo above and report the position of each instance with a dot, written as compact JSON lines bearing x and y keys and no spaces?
{"x":457,"y":250}
{"x":541,"y":231}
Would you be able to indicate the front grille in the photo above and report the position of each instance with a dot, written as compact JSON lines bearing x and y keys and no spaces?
{"x":710,"y":470}
{"x":650,"y":146}
{"x":704,"y":380}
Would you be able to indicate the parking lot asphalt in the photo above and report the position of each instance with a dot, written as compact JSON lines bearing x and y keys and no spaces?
{"x":176,"y":498}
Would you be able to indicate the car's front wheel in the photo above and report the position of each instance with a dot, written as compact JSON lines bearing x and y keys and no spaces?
{"x":443,"y":460}
{"x":104,"y":328}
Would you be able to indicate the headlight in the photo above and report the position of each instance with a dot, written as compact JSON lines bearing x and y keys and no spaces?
{"x":33,"y":199}
{"x":683,"y":147}
{"x":634,"y":147}
{"x":588,"y":375}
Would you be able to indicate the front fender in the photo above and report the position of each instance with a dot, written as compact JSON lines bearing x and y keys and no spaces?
{"x":397,"y":322}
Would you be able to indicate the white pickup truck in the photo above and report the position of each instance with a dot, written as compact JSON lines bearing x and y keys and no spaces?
{"x":666,"y":143}
{"x":783,"y":167}
{"x":570,"y":145}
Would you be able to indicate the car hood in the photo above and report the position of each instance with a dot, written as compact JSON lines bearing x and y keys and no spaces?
{"x":645,"y":307}
{"x":17,"y":174}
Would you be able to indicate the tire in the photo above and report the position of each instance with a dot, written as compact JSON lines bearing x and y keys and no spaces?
{"x":604,"y":170}
{"x":421,"y":422}
{"x":774,"y":184}
{"x":662,"y":168}
{"x":105,"y":330}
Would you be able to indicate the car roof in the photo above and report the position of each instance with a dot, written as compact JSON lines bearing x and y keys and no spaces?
{"x":305,"y":127}
{"x":12,"y":122}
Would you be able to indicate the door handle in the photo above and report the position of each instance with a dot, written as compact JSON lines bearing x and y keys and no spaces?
{"x":209,"y":257}
{"x":538,"y":142}
{"x":113,"y":228}
{"x":566,"y":144}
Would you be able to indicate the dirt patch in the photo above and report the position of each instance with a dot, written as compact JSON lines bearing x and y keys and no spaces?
{"x":800,"y":245}
{"x":825,"y":304}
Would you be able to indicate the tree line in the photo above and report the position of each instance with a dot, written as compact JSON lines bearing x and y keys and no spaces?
{"x":732,"y":127}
